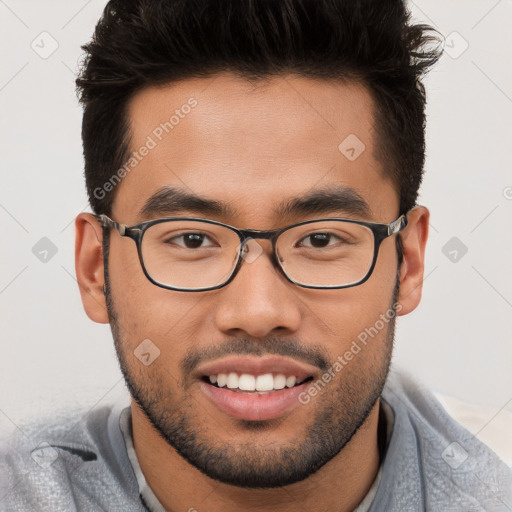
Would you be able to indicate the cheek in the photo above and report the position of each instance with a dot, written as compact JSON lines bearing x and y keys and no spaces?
{"x":386,"y":268}
{"x":129,"y":291}
{"x":343,"y":314}
{"x":355,"y":315}
{"x":145,"y":311}
{"x":362,"y":346}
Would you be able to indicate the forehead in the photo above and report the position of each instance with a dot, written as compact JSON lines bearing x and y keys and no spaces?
{"x":252,"y":145}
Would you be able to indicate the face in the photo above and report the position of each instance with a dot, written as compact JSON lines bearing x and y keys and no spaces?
{"x":252,"y":149}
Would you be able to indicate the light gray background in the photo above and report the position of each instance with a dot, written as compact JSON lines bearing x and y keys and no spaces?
{"x":458,"y":341}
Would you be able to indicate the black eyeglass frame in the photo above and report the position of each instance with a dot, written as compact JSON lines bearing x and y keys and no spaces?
{"x":136,"y":232}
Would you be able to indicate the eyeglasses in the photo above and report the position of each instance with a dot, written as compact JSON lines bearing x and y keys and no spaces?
{"x":194,"y":255}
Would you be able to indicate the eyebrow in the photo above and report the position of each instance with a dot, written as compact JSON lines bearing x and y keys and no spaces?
{"x":330,"y":199}
{"x":168,"y":200}
{"x":333,"y":199}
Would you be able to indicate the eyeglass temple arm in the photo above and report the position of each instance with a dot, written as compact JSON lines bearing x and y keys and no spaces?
{"x":107,"y":222}
{"x":397,"y":225}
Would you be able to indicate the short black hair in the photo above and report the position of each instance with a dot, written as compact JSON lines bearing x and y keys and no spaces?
{"x":140,"y":43}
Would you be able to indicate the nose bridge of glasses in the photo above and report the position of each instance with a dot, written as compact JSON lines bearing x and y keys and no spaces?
{"x":257,"y":234}
{"x":251,"y":248}
{"x":249,"y":235}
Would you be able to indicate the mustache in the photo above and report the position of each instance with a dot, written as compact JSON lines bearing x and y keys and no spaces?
{"x":274,"y":346}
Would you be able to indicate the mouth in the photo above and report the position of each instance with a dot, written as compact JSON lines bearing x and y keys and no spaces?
{"x":255,"y":389}
{"x":255,"y":384}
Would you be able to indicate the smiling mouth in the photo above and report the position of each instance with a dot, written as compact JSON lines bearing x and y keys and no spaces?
{"x":254,"y":384}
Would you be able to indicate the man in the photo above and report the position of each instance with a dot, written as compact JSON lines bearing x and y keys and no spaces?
{"x":265,"y":159}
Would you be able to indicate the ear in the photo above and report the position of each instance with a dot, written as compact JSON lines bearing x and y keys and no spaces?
{"x":89,"y":266}
{"x":414,"y":238}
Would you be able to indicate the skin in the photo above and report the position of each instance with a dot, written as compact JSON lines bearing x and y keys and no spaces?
{"x":253,"y":147}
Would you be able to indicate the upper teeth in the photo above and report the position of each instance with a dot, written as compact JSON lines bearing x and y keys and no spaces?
{"x":246,"y":382}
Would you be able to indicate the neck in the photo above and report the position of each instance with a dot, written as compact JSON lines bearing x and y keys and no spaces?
{"x":339,"y":485}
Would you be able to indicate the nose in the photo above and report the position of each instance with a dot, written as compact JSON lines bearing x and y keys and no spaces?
{"x":259,"y":300}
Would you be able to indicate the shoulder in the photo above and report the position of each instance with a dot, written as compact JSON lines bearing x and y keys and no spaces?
{"x":75,"y":461}
{"x":437,"y":461}
{"x":491,"y":425}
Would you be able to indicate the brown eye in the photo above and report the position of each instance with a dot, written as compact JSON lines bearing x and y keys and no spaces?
{"x":190,"y":240}
{"x":319,"y":239}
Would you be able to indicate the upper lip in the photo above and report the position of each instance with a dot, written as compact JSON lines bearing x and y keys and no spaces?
{"x":257,"y":366}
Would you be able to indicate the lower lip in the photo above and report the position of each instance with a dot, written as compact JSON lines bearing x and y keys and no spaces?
{"x":252,"y":406}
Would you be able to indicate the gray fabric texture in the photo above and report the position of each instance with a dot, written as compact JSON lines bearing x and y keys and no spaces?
{"x":81,"y":464}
